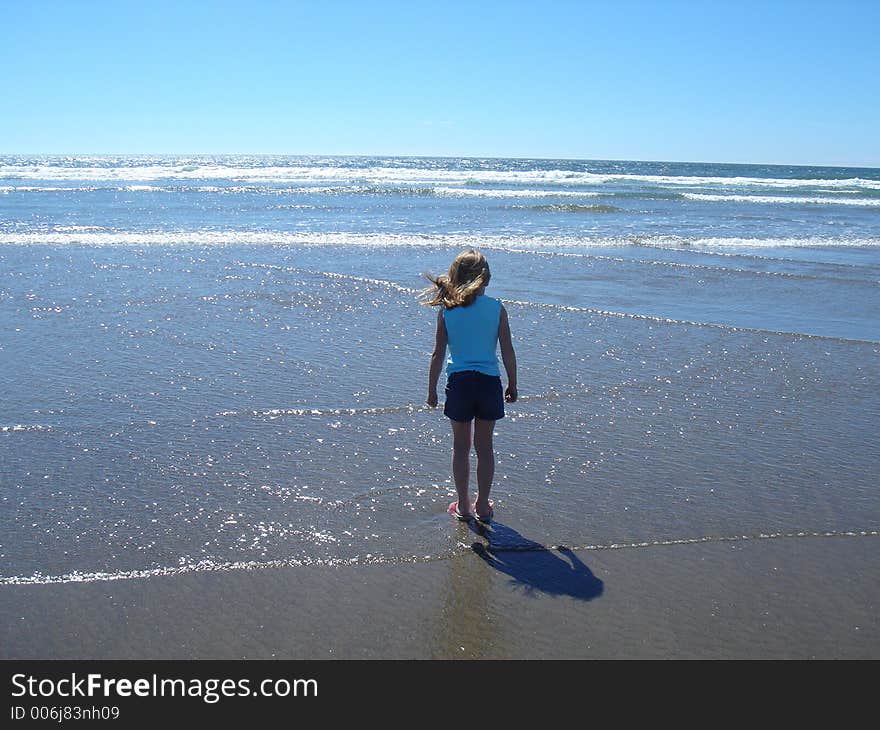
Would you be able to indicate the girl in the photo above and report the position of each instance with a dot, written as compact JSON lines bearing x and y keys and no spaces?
{"x":472,"y":325}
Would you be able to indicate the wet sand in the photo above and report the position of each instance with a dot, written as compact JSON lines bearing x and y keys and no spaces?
{"x":784,"y":598}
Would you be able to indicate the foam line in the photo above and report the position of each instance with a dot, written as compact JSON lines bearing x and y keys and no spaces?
{"x":204,"y":566}
{"x":668,"y":320}
{"x":781,"y":199}
{"x":61,"y":236}
{"x":239,"y":170}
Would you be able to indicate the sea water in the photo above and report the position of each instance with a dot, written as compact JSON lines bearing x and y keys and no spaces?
{"x":221,"y":363}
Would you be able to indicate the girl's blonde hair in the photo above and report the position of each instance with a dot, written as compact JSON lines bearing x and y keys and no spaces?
{"x":458,"y":288}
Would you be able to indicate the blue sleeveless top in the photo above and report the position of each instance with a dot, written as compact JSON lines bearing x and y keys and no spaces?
{"x":472,"y":332}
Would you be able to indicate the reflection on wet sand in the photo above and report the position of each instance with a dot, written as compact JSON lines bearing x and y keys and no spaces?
{"x":468,"y":627}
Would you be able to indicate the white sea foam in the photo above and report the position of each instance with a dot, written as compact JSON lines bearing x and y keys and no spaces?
{"x":484,"y":193}
{"x":94,"y":236}
{"x":776,"y":242}
{"x":781,"y":199}
{"x":395,"y":175}
{"x":44,"y":189}
{"x":339,"y":188}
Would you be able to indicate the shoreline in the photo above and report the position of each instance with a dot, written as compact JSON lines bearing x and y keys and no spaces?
{"x":763,"y":599}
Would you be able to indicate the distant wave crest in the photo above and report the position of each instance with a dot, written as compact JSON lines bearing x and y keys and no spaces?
{"x":96,"y":236}
{"x":783,"y":200}
{"x":388,"y":175}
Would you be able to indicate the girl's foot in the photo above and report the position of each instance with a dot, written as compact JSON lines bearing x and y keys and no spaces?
{"x":484,"y":515}
{"x":458,"y":514}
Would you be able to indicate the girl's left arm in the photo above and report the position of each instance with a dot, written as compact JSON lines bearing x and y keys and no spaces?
{"x":437,"y":358}
{"x":508,"y":356}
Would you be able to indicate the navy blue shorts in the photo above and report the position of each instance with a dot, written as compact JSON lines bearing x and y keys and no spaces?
{"x":470,"y":394}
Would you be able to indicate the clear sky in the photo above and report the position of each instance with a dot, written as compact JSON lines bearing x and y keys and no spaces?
{"x":707,"y":80}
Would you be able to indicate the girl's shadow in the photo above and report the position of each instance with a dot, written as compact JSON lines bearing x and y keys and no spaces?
{"x":533,"y":566}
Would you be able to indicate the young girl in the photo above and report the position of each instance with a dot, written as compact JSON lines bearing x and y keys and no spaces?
{"x":472,"y":325}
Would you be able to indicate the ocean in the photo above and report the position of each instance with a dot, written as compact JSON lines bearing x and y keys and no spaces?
{"x":219,"y":363}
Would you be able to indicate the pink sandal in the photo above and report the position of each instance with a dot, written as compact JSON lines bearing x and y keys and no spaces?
{"x":488,"y":517}
{"x":453,"y":510}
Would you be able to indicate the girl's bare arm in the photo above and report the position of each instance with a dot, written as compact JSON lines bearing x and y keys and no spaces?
{"x":437,"y":358}
{"x":508,"y":356}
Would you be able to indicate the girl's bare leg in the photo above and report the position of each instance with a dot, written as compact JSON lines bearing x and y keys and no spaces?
{"x":484,"y":447}
{"x":461,"y":462}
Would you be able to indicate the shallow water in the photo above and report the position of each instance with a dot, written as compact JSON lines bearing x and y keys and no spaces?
{"x":196,"y":378}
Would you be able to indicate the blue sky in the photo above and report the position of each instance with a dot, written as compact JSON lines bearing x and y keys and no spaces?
{"x":774,"y":82}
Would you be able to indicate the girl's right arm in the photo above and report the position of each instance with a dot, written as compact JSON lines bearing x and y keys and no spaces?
{"x":437,"y":358}
{"x":508,"y":356}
